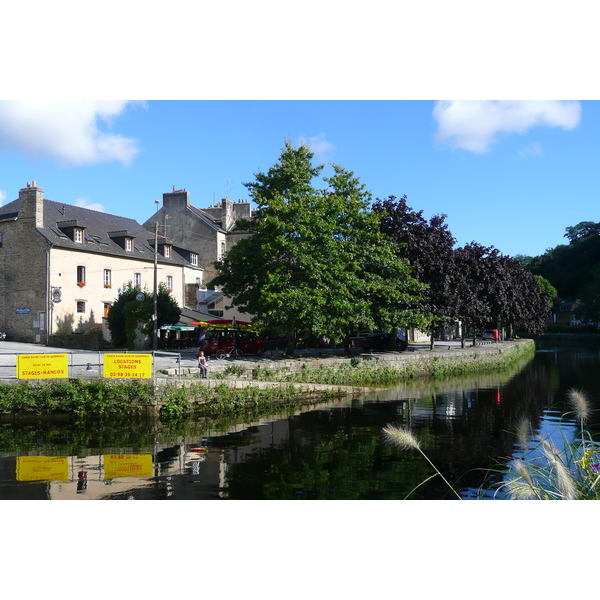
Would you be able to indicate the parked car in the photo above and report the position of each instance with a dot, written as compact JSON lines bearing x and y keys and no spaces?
{"x":381,"y":341}
{"x":487,"y":334}
{"x":247,"y":341}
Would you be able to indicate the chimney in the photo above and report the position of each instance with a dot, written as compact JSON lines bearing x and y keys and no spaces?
{"x":228,"y":220}
{"x":31,"y":201}
{"x":177,"y":199}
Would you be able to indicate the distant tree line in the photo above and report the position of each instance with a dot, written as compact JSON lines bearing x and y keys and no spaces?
{"x":327,"y":261}
{"x":573,"y":268}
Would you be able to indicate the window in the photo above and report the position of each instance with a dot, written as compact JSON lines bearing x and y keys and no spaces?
{"x":128,"y":244}
{"x":78,"y":235}
{"x":80,"y":306}
{"x":222,"y":250}
{"x":167,"y":251}
{"x":80,"y":276}
{"x":107,"y":278}
{"x":137,"y":280}
{"x":170,"y":283}
{"x":194,"y":259}
{"x":106,"y":308}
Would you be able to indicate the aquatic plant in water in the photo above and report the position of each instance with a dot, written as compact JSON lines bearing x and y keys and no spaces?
{"x":548,"y":473}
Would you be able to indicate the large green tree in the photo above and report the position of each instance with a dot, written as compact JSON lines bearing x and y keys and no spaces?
{"x":315,"y":260}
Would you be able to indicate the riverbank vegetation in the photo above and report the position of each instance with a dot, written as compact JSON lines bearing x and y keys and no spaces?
{"x":107,"y":403}
{"x":357,"y":372}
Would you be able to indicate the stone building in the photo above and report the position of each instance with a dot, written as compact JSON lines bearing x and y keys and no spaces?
{"x":61,"y":266}
{"x":210,"y":232}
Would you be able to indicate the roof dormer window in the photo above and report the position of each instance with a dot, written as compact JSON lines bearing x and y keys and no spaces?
{"x":167,"y":251}
{"x":71,"y":229}
{"x":123,"y":239}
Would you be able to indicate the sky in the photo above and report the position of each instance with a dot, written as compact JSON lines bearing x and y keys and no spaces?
{"x":508,"y":174}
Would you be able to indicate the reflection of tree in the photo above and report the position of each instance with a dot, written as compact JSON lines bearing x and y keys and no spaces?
{"x":341,"y":454}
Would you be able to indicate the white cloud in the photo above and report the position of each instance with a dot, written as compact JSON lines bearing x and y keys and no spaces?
{"x":473,"y":125}
{"x":319,"y":146}
{"x":534,"y":149}
{"x":68,"y":131}
{"x":2,"y":197}
{"x":84,"y":203}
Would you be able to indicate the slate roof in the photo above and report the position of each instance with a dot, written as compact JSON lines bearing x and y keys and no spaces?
{"x":102,"y":232}
{"x":214,"y":223}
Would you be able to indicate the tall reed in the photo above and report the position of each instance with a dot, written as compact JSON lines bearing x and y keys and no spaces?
{"x":403,"y":438}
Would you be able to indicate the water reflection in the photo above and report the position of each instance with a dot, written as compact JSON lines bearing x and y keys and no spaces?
{"x":466,"y":426}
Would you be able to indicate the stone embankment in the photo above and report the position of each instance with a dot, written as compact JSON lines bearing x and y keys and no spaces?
{"x":447,"y":358}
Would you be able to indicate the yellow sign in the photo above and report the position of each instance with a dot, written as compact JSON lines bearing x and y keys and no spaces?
{"x":129,"y":366}
{"x":37,"y":468}
{"x":42,"y":366}
{"x":128,"y":465}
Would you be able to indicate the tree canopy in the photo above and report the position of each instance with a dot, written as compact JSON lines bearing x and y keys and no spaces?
{"x":316,"y":260}
{"x":127,"y":314}
{"x":428,"y":246}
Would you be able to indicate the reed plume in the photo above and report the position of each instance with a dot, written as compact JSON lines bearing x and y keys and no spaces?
{"x":401,"y":437}
{"x":405,"y":439}
{"x":581,"y":405}
{"x":523,"y":430}
{"x":565,"y":483}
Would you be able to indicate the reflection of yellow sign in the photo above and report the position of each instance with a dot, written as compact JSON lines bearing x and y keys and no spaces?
{"x":128,"y":365}
{"x":128,"y":465}
{"x":36,"y":468}
{"x":42,"y":366}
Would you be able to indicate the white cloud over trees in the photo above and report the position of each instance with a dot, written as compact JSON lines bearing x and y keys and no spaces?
{"x":318,"y":145}
{"x":71,"y":132}
{"x":474,"y":125}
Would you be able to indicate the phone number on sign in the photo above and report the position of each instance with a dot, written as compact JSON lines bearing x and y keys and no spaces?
{"x":126,"y":374}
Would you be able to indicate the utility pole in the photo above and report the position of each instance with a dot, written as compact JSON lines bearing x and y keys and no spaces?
{"x":155,"y":314}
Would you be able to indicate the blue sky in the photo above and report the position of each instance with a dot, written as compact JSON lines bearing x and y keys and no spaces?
{"x":509,"y":174}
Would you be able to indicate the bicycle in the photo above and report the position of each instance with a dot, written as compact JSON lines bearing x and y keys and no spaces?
{"x":231,"y":352}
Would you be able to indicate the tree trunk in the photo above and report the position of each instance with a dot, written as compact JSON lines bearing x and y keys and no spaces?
{"x":392,"y":343}
{"x":291,"y":343}
{"x":431,"y":339}
{"x":347,"y":345}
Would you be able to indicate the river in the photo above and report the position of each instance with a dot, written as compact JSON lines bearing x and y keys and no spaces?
{"x":467,"y":427}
